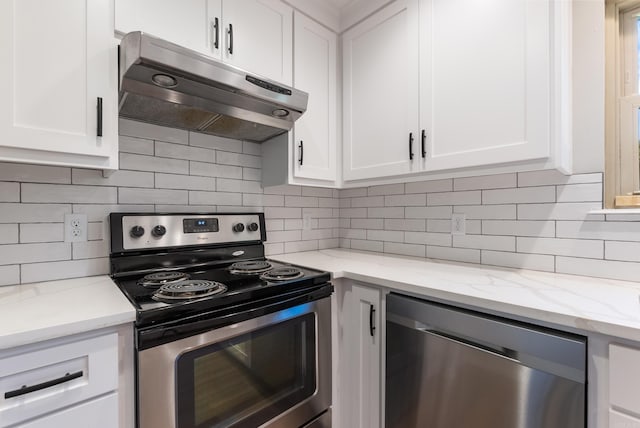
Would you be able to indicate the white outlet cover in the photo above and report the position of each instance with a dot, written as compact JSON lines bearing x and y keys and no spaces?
{"x":75,"y":227}
{"x":458,"y":224}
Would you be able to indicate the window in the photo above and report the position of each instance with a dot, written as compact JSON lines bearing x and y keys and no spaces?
{"x":622,"y":186}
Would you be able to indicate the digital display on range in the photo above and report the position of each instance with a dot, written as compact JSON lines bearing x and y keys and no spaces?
{"x":200,"y":225}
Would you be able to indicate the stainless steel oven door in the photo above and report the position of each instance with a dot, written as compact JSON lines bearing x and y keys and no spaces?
{"x":272,"y":371}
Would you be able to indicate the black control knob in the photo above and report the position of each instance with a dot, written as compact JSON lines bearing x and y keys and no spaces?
{"x":159,"y":231}
{"x":238,"y":227}
{"x":252,"y":227}
{"x":136,"y":231}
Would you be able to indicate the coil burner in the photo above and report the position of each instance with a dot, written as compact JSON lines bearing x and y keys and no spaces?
{"x":251,"y":267}
{"x":281,"y":274}
{"x":188,"y":290}
{"x":158,"y":279}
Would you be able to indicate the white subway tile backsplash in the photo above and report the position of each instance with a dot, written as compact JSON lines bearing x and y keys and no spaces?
{"x":550,"y":177}
{"x":442,"y":212}
{"x":184,"y":182}
{"x":614,"y":231}
{"x":31,"y":253}
{"x":211,"y":170}
{"x":328,"y":203}
{"x":623,"y":251}
{"x":252,"y":148}
{"x":153,"y":164}
{"x":63,"y":193}
{"x":213,"y":142}
{"x":485,"y":242}
{"x":135,"y":145}
{"x":367,"y":201}
{"x":560,"y":211}
{"x":317,"y":191}
{"x":519,"y":228}
{"x":228,"y":158}
{"x":353,"y":233}
{"x":428,"y":238}
{"x":178,"y":151}
{"x":526,"y":195}
{"x":362,"y":245}
{"x":429,"y":186}
{"x":9,"y":192}
{"x":367,"y":223}
{"x":131,"y":128}
{"x":253,"y":200}
{"x":295,"y":246}
{"x":454,"y":254}
{"x":9,"y":275}
{"x":100,"y":212}
{"x":405,"y":249}
{"x":39,"y":232}
{"x":416,"y":199}
{"x":417,"y":225}
{"x":519,"y":260}
{"x":387,"y":189}
{"x":588,"y":248}
{"x":353,"y":193}
{"x":390,"y":212}
{"x":354,"y":213}
{"x":213,"y":198}
{"x":90,"y":249}
{"x":283,"y":190}
{"x":324,"y":244}
{"x":162,"y":208}
{"x":272,"y":249}
{"x":454,"y":198}
{"x":317,"y":234}
{"x":301,"y":201}
{"x":9,"y":234}
{"x":292,"y":224}
{"x":240,"y":186}
{"x":498,"y":181}
{"x":385,"y":235}
{"x":117,"y":178}
{"x":127,"y":195}
{"x":485,"y":212}
{"x":34,"y":173}
{"x":251,"y":174}
{"x":96,"y":230}
{"x":599,"y":268}
{"x":274,"y":224}
{"x":580,"y":193}
{"x":36,"y":272}
{"x":277,"y":212}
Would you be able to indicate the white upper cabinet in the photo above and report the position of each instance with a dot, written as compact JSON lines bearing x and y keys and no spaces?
{"x":189,"y":23}
{"x":255,"y":35}
{"x":471,"y":81}
{"x":380,"y":78}
{"x":484,"y":81}
{"x":315,"y":133}
{"x":59,"y":66}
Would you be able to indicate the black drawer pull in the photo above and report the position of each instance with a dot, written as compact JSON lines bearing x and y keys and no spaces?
{"x":301,"y":157}
{"x":424,"y":143}
{"x":216,"y":33}
{"x":230,"y":33}
{"x":28,"y":389}
{"x":410,"y":145}
{"x":99,"y":130}
{"x":372,"y":327}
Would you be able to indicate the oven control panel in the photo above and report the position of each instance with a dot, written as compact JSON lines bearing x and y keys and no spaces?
{"x":174,"y":230}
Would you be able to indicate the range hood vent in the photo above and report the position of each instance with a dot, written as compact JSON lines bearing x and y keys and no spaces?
{"x":169,"y":85}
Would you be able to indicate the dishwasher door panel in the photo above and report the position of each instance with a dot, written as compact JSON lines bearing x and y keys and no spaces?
{"x":436,"y":381}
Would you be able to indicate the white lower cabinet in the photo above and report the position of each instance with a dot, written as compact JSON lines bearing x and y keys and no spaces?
{"x":360,"y":369}
{"x":624,"y":386}
{"x":72,"y":382}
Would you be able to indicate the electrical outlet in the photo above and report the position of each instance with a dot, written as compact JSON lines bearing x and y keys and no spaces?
{"x":458,"y":224}
{"x":306,"y":222}
{"x":75,"y":227}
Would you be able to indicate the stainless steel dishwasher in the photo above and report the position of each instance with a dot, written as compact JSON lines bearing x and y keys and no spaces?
{"x":452,"y":368}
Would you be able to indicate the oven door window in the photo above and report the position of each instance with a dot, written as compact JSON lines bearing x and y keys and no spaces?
{"x":248,"y":380}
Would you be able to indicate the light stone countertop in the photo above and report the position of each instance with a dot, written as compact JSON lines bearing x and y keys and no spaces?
{"x":605,"y":306}
{"x":32,"y":313}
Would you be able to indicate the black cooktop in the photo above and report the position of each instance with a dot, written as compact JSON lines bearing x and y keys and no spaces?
{"x":241,"y":288}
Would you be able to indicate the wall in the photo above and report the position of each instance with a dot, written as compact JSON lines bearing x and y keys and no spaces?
{"x":162,"y":169}
{"x":534,"y":220}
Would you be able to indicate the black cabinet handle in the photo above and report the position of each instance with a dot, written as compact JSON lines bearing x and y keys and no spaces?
{"x":28,"y":389}
{"x":99,"y":127}
{"x":424,"y":143}
{"x":216,"y":33}
{"x":301,"y":148}
{"x":372,"y":327}
{"x":230,"y":32}
{"x":410,"y":145}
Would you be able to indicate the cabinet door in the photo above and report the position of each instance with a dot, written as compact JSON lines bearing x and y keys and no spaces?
{"x":315,"y":73}
{"x":258,"y":37}
{"x":485,"y":81}
{"x":360,"y":357}
{"x":99,"y":413}
{"x":190,"y":23}
{"x":380,"y":60}
{"x":58,"y":59}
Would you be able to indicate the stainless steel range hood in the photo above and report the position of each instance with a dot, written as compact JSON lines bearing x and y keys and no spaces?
{"x":169,"y":85}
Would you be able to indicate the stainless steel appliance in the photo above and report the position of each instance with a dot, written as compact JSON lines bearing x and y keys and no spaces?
{"x":224,"y":337}
{"x":167,"y":84}
{"x":448,"y":367}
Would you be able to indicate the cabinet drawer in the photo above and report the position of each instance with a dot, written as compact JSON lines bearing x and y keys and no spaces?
{"x":624,"y":378}
{"x":99,"y":413}
{"x":38,"y":382}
